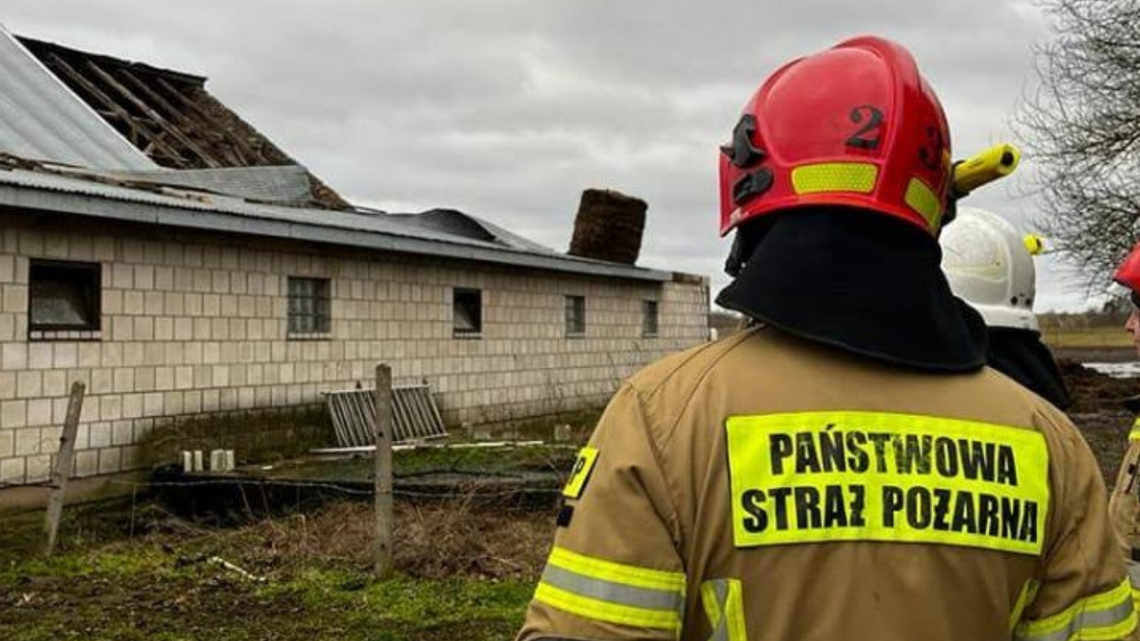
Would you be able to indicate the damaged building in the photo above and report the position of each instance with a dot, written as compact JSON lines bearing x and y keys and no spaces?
{"x":156,"y":247}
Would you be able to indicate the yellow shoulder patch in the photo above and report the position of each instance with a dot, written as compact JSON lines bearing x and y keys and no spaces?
{"x":587,"y":456}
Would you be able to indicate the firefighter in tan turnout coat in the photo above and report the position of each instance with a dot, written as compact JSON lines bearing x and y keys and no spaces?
{"x":847,"y":467}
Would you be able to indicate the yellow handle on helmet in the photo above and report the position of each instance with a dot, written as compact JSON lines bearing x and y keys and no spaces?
{"x":1034,"y":244}
{"x":994,"y":163}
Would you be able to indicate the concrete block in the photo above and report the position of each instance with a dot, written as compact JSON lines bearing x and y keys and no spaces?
{"x":86,"y":463}
{"x":133,"y":303}
{"x":14,"y":356}
{"x":122,"y":433}
{"x":144,"y":328}
{"x":13,"y":414}
{"x":90,"y":411}
{"x":112,"y":355}
{"x":110,"y":408}
{"x":144,"y":277}
{"x":37,"y":468}
{"x":7,"y":385}
{"x":28,"y":441}
{"x":7,"y":269}
{"x":7,"y":443}
{"x":8,"y":327}
{"x":164,"y":278}
{"x":122,"y":276}
{"x":164,"y":378}
{"x":39,"y":411}
{"x":29,"y":384}
{"x":14,"y":298}
{"x":12,"y":471}
{"x":132,"y":405}
{"x":109,"y":460}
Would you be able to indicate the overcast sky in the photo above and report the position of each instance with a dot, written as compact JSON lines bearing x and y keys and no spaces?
{"x":507,"y":109}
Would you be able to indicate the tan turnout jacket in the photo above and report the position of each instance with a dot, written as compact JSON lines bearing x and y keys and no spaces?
{"x":764,"y":488}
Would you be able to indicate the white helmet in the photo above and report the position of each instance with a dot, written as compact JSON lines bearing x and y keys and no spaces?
{"x":990,"y":266}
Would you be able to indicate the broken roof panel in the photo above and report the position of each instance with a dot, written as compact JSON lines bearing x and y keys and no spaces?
{"x":285,"y":184}
{"x":41,"y":119}
{"x":168,"y":114}
{"x":57,"y":193}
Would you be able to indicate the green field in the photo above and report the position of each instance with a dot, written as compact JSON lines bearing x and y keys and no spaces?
{"x":1108,"y":337}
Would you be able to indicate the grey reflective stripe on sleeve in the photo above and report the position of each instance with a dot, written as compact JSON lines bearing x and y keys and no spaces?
{"x":1096,"y":619}
{"x":720,"y":587}
{"x":612,"y":592}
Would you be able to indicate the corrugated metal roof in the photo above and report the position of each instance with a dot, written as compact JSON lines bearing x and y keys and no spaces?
{"x":279,"y":184}
{"x":40,"y":118}
{"x":435,"y":235}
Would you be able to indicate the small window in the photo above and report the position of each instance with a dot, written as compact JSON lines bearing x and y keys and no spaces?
{"x":575,"y":315}
{"x":649,"y":318}
{"x":309,"y":308}
{"x":467,"y":312}
{"x":63,"y":297}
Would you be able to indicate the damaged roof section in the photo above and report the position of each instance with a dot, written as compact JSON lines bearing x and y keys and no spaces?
{"x":40,"y":119}
{"x":168,"y":115}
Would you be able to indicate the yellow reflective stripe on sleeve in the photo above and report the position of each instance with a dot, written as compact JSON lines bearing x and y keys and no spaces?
{"x":1134,"y":435}
{"x":818,"y":477}
{"x":835,"y":176}
{"x":923,"y":200}
{"x":1028,"y":593}
{"x":617,"y":572}
{"x":584,"y":464}
{"x":724,"y":605}
{"x":604,"y":590}
{"x":1102,"y":617}
{"x":601,"y":610}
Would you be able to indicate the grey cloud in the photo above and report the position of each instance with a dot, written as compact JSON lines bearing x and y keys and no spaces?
{"x":508,"y":109}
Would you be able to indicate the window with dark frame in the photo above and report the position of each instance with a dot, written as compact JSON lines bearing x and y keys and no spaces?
{"x":63,"y":296}
{"x":575,"y":315}
{"x":467,"y":312}
{"x":309,"y":306}
{"x":649,"y":318}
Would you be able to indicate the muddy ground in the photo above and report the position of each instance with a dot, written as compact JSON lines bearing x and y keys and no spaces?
{"x":1099,"y":412}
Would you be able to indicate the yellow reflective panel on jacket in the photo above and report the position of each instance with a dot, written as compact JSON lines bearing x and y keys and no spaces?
{"x":879,"y":476}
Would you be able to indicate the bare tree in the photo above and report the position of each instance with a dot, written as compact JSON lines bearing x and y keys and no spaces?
{"x":1082,"y":126}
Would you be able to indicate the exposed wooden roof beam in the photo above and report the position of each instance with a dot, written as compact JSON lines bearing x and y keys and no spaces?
{"x":163,"y":124}
{"x":233,"y":155}
{"x":230,"y":136}
{"x":62,"y":67}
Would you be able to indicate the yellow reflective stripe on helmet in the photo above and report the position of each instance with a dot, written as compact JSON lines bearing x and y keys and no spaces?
{"x":1028,"y":593}
{"x":724,"y":605}
{"x":835,"y":176}
{"x":1102,"y":617}
{"x":600,"y":610}
{"x":604,"y":590}
{"x":617,"y":572}
{"x":923,"y":200}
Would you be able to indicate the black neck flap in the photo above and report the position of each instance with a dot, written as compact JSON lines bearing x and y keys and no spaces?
{"x":859,"y":281}
{"x":1020,"y":355}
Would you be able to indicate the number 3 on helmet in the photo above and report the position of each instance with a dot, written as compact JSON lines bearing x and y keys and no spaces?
{"x":855,"y":126}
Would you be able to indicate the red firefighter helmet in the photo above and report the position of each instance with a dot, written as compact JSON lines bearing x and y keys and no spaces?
{"x":1128,"y":273}
{"x":855,"y":125}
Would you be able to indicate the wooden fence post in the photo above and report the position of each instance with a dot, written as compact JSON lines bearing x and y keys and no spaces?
{"x":382,"y":551}
{"x":62,"y":469}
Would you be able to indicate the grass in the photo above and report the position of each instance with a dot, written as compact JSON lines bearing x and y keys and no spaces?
{"x":461,"y":574}
{"x":1091,"y":337}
